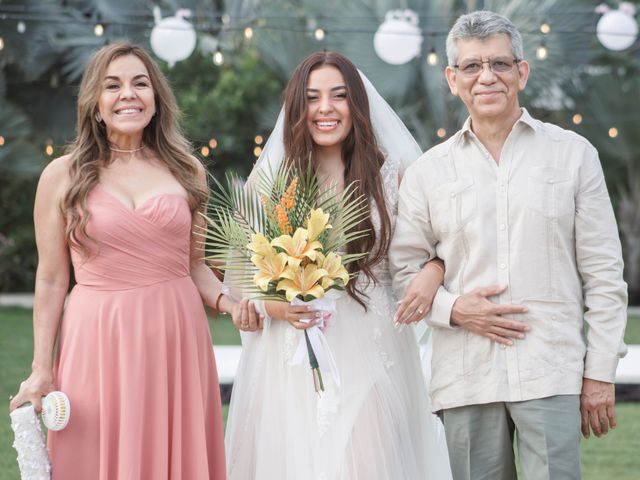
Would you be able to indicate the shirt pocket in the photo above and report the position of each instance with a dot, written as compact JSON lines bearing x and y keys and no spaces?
{"x":550,"y":192}
{"x":454,"y":205}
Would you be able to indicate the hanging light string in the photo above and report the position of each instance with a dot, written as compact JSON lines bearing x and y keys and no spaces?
{"x":214,"y":21}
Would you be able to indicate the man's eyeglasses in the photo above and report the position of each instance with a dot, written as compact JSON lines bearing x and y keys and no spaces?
{"x":472,"y":68}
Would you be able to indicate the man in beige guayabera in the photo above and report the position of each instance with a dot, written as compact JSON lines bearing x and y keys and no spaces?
{"x":519,"y":211}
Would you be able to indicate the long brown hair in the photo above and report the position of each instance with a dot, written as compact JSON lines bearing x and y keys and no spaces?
{"x":90,"y":150}
{"x":360,"y":153}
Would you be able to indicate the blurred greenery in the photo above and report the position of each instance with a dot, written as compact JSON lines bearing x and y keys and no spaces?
{"x":225,"y":103}
{"x":40,"y":71}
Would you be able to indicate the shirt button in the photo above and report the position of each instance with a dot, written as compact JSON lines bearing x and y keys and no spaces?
{"x":503,"y":266}
{"x":503,"y":226}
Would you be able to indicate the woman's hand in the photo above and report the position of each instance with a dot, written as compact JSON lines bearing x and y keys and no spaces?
{"x":301,"y":317}
{"x":245,"y":317}
{"x":39,"y":383}
{"x":419,"y":295}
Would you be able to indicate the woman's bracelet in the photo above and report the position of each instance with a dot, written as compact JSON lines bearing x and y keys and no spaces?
{"x":217,"y":305}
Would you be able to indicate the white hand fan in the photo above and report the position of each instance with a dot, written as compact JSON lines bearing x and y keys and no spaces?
{"x":56,"y":411}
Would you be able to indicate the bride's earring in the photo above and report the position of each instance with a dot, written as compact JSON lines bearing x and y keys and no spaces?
{"x":98,"y":117}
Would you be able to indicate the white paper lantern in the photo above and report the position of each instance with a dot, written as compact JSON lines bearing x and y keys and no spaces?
{"x":398,"y":39}
{"x":173,"y":38}
{"x":617,"y":30}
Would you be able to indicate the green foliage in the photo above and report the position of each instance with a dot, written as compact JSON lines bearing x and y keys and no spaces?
{"x":225,"y":103}
{"x":19,"y":163}
{"x":17,"y":243}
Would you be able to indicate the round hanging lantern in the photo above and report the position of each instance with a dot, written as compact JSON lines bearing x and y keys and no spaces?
{"x":398,"y":39}
{"x":173,"y":38}
{"x":617,"y":30}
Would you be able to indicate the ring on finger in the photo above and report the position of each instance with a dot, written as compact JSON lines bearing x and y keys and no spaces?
{"x":420,"y":311}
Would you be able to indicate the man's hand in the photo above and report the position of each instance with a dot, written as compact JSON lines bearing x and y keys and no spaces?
{"x":597,"y":407}
{"x":474,"y":312}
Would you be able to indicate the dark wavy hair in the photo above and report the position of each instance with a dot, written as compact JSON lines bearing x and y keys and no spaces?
{"x":360,"y":153}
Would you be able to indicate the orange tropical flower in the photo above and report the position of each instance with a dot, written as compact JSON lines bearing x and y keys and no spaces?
{"x":283,"y":220}
{"x":289,"y":198}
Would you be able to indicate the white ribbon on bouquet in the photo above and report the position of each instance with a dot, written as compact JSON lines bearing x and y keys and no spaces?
{"x":317,"y":339}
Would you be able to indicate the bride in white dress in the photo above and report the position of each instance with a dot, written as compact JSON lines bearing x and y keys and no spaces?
{"x":376,"y":425}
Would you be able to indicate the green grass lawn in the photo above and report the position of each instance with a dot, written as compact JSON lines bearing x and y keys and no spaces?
{"x":632,"y":334}
{"x":614,"y":456}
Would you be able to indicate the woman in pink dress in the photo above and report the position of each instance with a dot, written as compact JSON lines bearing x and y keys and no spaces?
{"x":134,"y":351}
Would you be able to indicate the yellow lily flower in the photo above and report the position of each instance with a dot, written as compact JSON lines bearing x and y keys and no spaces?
{"x":332,"y":263}
{"x":260,"y":245}
{"x":317,"y":223}
{"x":297,"y":247}
{"x":271,"y":268}
{"x":302,"y":281}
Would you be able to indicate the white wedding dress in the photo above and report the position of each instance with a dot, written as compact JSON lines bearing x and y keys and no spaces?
{"x":376,"y":426}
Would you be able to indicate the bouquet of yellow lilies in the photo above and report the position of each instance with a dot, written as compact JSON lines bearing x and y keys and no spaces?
{"x":280,"y":238}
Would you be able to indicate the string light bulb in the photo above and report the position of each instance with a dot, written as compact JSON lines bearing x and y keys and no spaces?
{"x":542,"y":52}
{"x":204,"y":151}
{"x":258,"y":139}
{"x":49,"y":148}
{"x":432,"y":58}
{"x":213,"y":143}
{"x":577,"y":119}
{"x":248,"y":33}
{"x":1,"y":43}
{"x":1,"y":141}
{"x":319,"y":34}
{"x":545,"y":28}
{"x":613,"y":132}
{"x":441,"y":132}
{"x":98,"y":30}
{"x":218,"y":57}
{"x":257,"y":151}
{"x":21,"y":27}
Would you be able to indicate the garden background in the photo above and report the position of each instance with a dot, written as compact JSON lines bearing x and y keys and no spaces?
{"x":229,"y":89}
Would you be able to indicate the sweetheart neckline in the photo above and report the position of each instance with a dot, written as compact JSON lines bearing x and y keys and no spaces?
{"x":142,"y":204}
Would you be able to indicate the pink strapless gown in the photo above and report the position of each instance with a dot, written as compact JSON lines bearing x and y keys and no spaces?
{"x":135,"y":354}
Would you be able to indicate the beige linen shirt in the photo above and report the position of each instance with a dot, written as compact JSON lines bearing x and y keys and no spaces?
{"x":540,"y":222}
